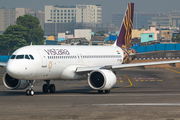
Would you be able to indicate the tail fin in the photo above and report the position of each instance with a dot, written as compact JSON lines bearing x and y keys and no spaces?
{"x":125,"y":34}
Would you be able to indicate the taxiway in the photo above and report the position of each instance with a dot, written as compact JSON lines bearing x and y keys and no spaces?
{"x":139,"y":94}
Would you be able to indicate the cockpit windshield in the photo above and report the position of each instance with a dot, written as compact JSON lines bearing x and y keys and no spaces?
{"x":22,"y":57}
{"x":13,"y":56}
{"x":27,"y":57}
{"x":31,"y":57}
{"x":19,"y":56}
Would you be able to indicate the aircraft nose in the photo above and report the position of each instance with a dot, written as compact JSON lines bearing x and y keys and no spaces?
{"x":19,"y":70}
{"x":12,"y":69}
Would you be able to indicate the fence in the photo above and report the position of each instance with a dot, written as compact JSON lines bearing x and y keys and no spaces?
{"x":157,"y":47}
{"x":4,"y":58}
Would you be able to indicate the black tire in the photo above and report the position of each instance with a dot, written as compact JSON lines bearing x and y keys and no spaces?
{"x":31,"y":92}
{"x":45,"y":88}
{"x":52,"y":88}
{"x":100,"y":91}
{"x":27,"y":92}
{"x":107,"y":91}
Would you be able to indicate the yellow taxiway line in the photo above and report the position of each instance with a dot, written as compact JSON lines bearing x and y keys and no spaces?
{"x":128,"y":78}
{"x":173,"y":70}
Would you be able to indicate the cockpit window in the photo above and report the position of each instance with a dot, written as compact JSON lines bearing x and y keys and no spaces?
{"x":27,"y":57}
{"x":20,"y":57}
{"x":13,"y":56}
{"x":31,"y":57}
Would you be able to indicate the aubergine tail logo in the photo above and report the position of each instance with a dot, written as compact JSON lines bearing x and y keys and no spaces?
{"x":125,"y":34}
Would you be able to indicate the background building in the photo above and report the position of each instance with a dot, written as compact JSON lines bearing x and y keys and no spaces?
{"x":89,"y":13}
{"x":60,"y":19}
{"x":60,"y":14}
{"x":83,"y":33}
{"x":22,"y":11}
{"x":7,"y":18}
{"x":140,"y":20}
{"x":171,"y":19}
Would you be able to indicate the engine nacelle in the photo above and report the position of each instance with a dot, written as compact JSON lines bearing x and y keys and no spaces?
{"x":13,"y":83}
{"x":101,"y":79}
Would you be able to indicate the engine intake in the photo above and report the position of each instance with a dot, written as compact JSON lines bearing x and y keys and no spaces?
{"x":102,"y":79}
{"x":13,"y":83}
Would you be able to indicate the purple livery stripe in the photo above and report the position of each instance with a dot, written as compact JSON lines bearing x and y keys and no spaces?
{"x":124,"y":38}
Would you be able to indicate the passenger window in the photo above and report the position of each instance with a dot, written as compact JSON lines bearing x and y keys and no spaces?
{"x":27,"y":57}
{"x":13,"y":56}
{"x":20,"y":57}
{"x":31,"y":57}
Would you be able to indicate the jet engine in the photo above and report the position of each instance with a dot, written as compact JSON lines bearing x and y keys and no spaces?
{"x":101,"y":79}
{"x":13,"y":83}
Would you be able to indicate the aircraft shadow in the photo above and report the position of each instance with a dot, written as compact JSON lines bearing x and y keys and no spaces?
{"x":86,"y":92}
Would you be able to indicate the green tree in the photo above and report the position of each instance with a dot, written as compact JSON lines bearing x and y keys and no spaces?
{"x":13,"y":38}
{"x":35,"y":33}
{"x":28,"y":21}
{"x":26,"y":30}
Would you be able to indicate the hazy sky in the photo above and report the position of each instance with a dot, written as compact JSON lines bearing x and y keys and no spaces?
{"x":108,"y":6}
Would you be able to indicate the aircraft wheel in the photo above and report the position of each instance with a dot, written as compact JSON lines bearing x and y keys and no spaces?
{"x":31,"y":92}
{"x":27,"y":92}
{"x":100,"y":91}
{"x":52,"y":88}
{"x":107,"y":91}
{"x":45,"y":88}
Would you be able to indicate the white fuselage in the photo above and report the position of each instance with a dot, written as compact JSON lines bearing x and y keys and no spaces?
{"x":60,"y":62}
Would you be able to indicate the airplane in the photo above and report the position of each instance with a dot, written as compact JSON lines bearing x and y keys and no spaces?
{"x":97,"y":64}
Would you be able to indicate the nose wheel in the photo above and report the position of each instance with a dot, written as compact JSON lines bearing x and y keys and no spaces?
{"x":30,"y":91}
{"x":48,"y":87}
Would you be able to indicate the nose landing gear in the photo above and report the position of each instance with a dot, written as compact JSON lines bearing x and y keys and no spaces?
{"x":30,"y":91}
{"x":48,"y":87}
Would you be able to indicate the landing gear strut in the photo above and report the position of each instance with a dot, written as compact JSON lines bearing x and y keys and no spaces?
{"x":30,"y":91}
{"x":48,"y":86}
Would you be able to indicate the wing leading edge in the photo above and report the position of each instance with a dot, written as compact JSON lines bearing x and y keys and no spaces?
{"x":89,"y":69}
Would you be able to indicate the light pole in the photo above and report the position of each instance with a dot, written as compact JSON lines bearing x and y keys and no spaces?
{"x":136,"y":19}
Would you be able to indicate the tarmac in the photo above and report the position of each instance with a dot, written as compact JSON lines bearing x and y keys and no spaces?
{"x":151,"y":94}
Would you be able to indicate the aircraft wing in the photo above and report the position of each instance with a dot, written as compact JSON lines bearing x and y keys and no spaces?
{"x":89,"y":69}
{"x":2,"y":64}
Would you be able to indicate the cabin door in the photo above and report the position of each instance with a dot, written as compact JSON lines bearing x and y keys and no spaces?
{"x":43,"y":58}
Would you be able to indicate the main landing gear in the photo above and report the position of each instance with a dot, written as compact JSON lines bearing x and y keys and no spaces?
{"x":48,"y":87}
{"x":30,"y":91}
{"x":106,"y":91}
